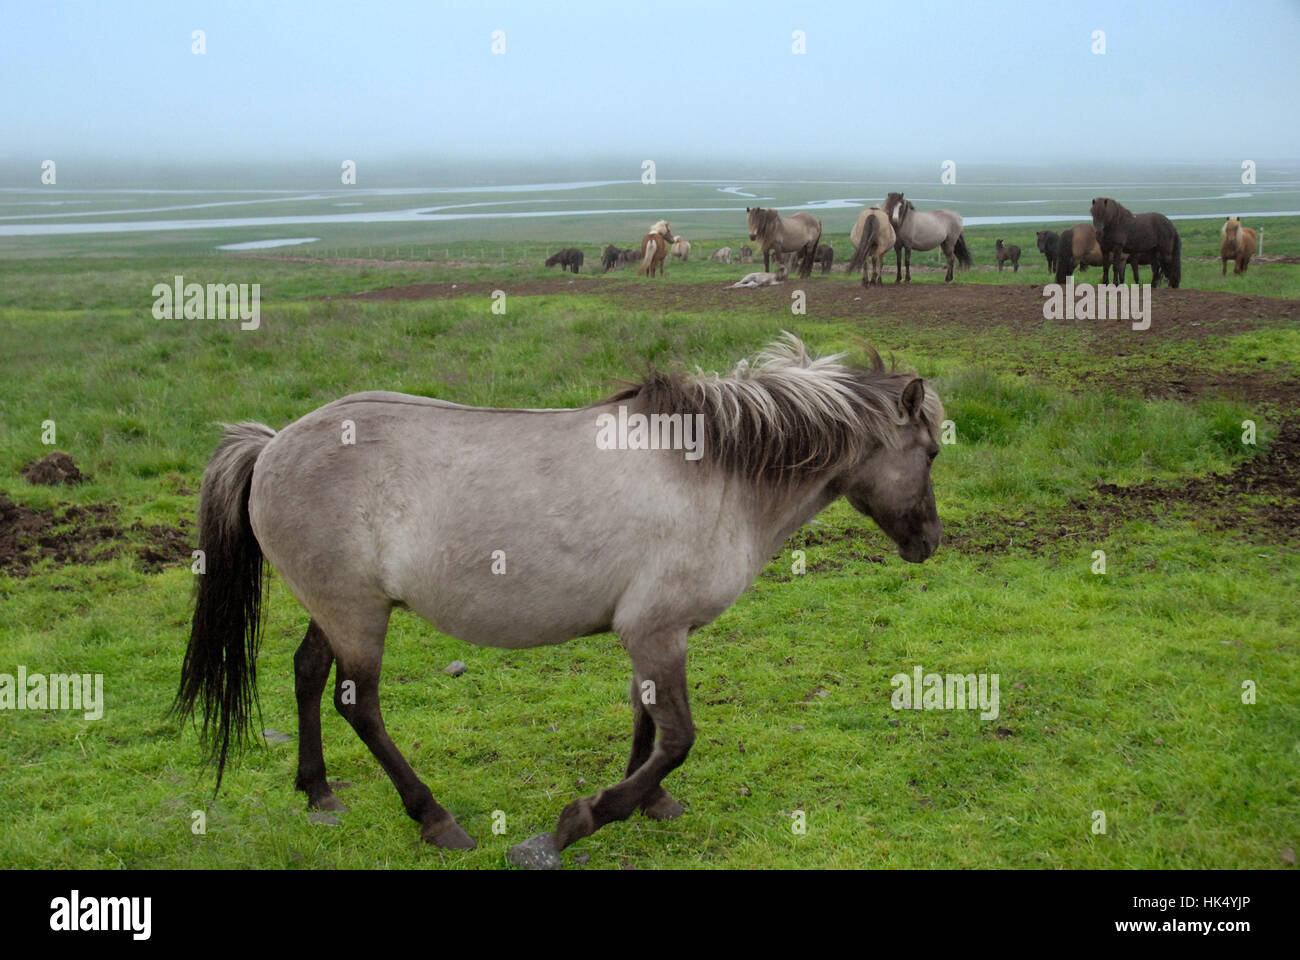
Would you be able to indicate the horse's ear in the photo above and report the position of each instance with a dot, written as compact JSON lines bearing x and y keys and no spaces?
{"x":912,"y":400}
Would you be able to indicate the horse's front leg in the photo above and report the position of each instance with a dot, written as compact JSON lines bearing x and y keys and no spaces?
{"x":659,"y":680}
{"x":898,"y":262}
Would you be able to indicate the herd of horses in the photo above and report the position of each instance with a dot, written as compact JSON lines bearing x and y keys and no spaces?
{"x":1114,"y":239}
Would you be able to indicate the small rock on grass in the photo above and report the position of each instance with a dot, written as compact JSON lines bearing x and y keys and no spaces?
{"x":275,"y":736}
{"x":536,"y":853}
{"x":455,"y":668}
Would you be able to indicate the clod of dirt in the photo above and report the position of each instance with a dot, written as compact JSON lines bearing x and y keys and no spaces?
{"x":52,"y":470}
{"x":536,"y":853}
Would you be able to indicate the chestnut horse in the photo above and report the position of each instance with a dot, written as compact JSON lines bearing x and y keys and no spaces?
{"x":654,"y":249}
{"x":1239,"y":245}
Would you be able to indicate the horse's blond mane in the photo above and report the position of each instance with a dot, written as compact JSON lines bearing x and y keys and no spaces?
{"x":784,"y":414}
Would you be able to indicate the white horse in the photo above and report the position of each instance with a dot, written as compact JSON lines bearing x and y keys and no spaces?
{"x":761,"y":279}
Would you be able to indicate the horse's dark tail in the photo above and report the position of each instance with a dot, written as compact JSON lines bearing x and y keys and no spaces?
{"x":1174,"y":268}
{"x":220,"y":670}
{"x":962,"y":251}
{"x":859,"y":260}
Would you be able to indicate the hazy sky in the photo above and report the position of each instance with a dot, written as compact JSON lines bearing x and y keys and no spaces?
{"x":879,"y":83}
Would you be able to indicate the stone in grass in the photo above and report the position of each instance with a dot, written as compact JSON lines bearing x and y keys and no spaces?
{"x":455,"y":668}
{"x":275,"y":736}
{"x":325,"y":819}
{"x":536,"y":853}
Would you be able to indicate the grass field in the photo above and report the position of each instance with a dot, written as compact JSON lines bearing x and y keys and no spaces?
{"x":1120,"y":692}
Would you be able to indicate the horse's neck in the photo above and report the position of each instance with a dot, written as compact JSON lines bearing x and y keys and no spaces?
{"x":779,"y":514}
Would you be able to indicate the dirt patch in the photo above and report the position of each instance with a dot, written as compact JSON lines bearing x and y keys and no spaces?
{"x":1262,"y":497}
{"x":52,"y":470}
{"x":1175,"y":314}
{"x":68,"y":533}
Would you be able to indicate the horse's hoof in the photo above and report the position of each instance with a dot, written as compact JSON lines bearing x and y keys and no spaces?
{"x":327,"y":802}
{"x":575,"y":823}
{"x":662,"y":807}
{"x":447,"y":835}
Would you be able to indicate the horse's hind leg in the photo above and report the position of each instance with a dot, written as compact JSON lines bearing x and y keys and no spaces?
{"x":311,"y":665}
{"x":356,"y":696}
{"x":660,"y":658}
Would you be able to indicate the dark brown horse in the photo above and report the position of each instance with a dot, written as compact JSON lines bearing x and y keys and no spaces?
{"x":570,"y":258}
{"x":609,"y":257}
{"x":1011,"y":253}
{"x":1047,"y":243}
{"x":1137,"y":239}
{"x":825,"y":256}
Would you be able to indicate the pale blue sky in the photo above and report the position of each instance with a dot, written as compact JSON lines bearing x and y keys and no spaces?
{"x":880,"y":82}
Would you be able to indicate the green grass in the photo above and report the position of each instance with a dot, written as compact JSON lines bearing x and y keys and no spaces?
{"x":1119,"y":693}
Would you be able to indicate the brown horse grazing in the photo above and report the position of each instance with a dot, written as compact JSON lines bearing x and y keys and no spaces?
{"x":629,"y":255}
{"x":774,"y":233}
{"x":1011,"y":253}
{"x":1077,"y":246}
{"x":1144,"y":238}
{"x":1239,"y":244}
{"x":872,"y":237}
{"x":924,"y":230}
{"x":609,"y":257}
{"x":570,"y":258}
{"x":654,"y":249}
{"x":825,"y":256}
{"x":604,"y":534}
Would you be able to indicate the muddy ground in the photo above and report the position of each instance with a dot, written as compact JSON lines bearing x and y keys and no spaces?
{"x":67,"y":533}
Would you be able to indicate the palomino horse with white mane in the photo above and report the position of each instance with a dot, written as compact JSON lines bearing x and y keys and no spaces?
{"x":654,"y":249}
{"x":924,"y":230}
{"x":1239,"y":244}
{"x":872,"y":237}
{"x":646,"y":514}
{"x":774,"y":233}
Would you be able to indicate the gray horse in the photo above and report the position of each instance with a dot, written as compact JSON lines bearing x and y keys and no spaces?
{"x":924,"y":230}
{"x":774,"y":233}
{"x":646,"y":514}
